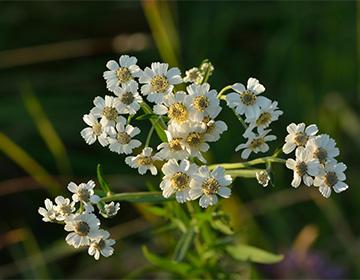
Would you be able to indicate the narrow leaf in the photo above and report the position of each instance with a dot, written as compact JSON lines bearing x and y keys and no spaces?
{"x":147,"y":116}
{"x":244,"y":252}
{"x":166,"y":264}
{"x":103,"y":183}
{"x":157,"y":123}
{"x":184,"y":244}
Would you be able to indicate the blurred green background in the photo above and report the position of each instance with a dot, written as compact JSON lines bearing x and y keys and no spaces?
{"x":52,"y":55}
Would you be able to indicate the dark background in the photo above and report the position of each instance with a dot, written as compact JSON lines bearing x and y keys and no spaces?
{"x":53,"y":54}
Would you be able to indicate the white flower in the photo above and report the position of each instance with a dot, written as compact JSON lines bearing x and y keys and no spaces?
{"x":120,"y":139}
{"x":207,"y":67}
{"x":83,"y":227}
{"x":208,"y":185}
{"x":96,"y":131}
{"x":204,"y":102}
{"x":269,"y":112}
{"x":143,"y":161}
{"x":64,"y":207}
{"x":111,"y":209}
{"x":247,"y":100}
{"x":106,"y":110}
{"x":174,"y":148}
{"x":255,"y":143}
{"x":263,"y":178}
{"x":332,"y":176}
{"x":128,"y":101}
{"x":323,"y":148}
{"x":298,"y":136}
{"x":49,"y":213}
{"x":101,"y":245}
{"x":176,"y":106}
{"x":121,"y":73}
{"x":304,"y":167}
{"x":213,"y":129}
{"x":193,"y":75}
{"x":177,"y":179}
{"x":194,"y":139}
{"x":159,"y":81}
{"x":84,"y":193}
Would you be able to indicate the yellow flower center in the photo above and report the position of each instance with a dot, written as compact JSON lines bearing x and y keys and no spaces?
{"x":123,"y":74}
{"x":248,"y":97}
{"x":83,"y":195}
{"x":301,"y":138}
{"x":201,"y":103}
{"x":331,"y":179}
{"x":257,"y":142}
{"x":194,"y":139}
{"x":321,"y":154}
{"x":159,"y":84}
{"x":123,"y":138}
{"x":178,"y":112}
{"x":263,"y":119}
{"x":301,"y":168}
{"x":97,"y":129}
{"x":175,"y":144}
{"x":210,"y":186}
{"x":143,"y":160}
{"x":127,"y":98}
{"x":180,"y":181}
{"x":82,"y":228}
{"x":110,"y":113}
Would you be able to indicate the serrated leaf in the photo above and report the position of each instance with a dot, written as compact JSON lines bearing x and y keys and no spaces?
{"x":103,"y":183}
{"x":243,"y":252}
{"x":166,"y":264}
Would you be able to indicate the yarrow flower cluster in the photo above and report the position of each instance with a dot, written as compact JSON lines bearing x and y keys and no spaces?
{"x":259,"y":113}
{"x":314,"y":163}
{"x":78,"y":217}
{"x":184,"y":113}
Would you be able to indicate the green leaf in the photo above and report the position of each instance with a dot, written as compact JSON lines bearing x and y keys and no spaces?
{"x":184,"y":244}
{"x":147,"y":116}
{"x":103,"y":183}
{"x":243,"y":252}
{"x":166,"y":264}
{"x":158,"y":123}
{"x":221,"y":222}
{"x":138,"y":197}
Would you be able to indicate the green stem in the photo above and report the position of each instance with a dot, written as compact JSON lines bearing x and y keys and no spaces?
{"x":159,"y":123}
{"x":244,"y":173}
{"x":223,"y":91}
{"x":137,"y":197}
{"x":241,"y":120}
{"x":239,"y":165}
{"x":149,"y":136}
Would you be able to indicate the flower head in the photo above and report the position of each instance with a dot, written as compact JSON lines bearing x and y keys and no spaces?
{"x":64,"y":207}
{"x":143,"y":161}
{"x":298,"y":136}
{"x":304,"y":166}
{"x":101,"y":245}
{"x":207,"y":185}
{"x":193,"y":75}
{"x":110,"y":209}
{"x":255,"y":143}
{"x":331,"y":176}
{"x":84,"y":193}
{"x":247,"y":100}
{"x":82,"y":229}
{"x":159,"y":81}
{"x":177,"y":179}
{"x":106,"y":110}
{"x":174,"y":148}
{"x":323,"y":148}
{"x":95,"y":131}
{"x":121,"y":73}
{"x":128,"y":101}
{"x":213,"y":129}
{"x":120,"y":137}
{"x":49,"y":213}
{"x":263,"y":178}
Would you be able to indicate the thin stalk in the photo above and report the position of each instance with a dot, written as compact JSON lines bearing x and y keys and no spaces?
{"x":223,"y":91}
{"x":239,"y":165}
{"x":137,"y":197}
{"x":148,"y":138}
{"x":241,"y":120}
